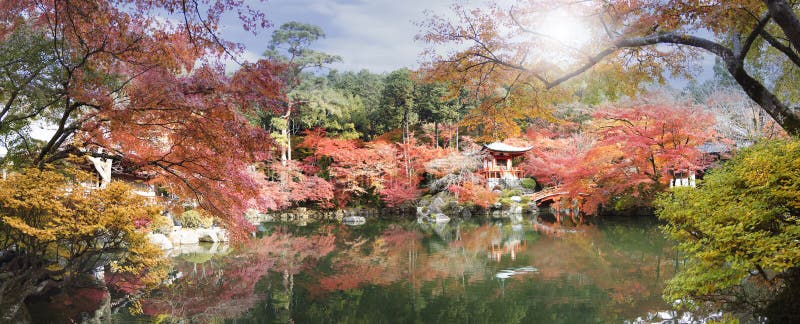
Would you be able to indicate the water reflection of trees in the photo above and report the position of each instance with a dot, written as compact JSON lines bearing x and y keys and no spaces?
{"x":223,"y":287}
{"x":411,"y":272}
{"x":608,"y":272}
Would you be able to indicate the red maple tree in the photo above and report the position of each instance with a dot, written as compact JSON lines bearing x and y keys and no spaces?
{"x":634,"y":150}
{"x":117,"y":75}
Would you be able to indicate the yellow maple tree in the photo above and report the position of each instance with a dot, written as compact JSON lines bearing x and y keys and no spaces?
{"x":52,"y":230}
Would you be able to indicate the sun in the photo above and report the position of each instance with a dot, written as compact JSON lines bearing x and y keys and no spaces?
{"x":564,"y":27}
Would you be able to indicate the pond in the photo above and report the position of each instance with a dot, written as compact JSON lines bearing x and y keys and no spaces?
{"x":465,"y":271}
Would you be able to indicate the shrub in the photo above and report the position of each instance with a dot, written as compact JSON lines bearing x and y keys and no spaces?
{"x":474,"y":194}
{"x":511,"y":193}
{"x":528,"y":183}
{"x":196,"y":218}
{"x":740,"y":229}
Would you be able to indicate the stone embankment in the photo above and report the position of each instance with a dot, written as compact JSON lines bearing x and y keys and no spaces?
{"x":188,"y":236}
{"x":302,"y":214}
{"x":445,"y":204}
{"x":514,"y":205}
{"x":442,"y":203}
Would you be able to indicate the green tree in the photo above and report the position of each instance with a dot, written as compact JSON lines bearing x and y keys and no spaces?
{"x":740,"y":228}
{"x":434,"y":105}
{"x":327,"y":107}
{"x":397,"y":103}
{"x":29,"y":83}
{"x":364,"y":87}
{"x":290,"y":45}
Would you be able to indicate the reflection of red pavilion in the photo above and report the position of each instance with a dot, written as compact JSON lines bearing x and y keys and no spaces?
{"x":498,"y":167}
{"x":512,"y":247}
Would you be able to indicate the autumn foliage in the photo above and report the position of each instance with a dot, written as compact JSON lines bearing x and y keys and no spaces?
{"x":59,"y":230}
{"x":393,"y":170}
{"x":473,"y":193}
{"x":605,"y":50}
{"x":631,"y":151}
{"x":116,"y":76}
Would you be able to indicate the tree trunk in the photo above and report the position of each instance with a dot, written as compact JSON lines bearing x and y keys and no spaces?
{"x":782,"y":114}
{"x":456,"y":137}
{"x":286,"y":150}
{"x":285,"y":147}
{"x":15,"y":288}
{"x":289,"y":140}
{"x":784,"y":16}
{"x":14,"y":311}
{"x":405,"y":126}
{"x":436,"y":133}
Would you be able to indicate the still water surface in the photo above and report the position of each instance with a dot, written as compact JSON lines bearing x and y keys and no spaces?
{"x":465,"y":271}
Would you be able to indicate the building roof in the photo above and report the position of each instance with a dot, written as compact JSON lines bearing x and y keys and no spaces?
{"x":709,"y":147}
{"x":500,"y":147}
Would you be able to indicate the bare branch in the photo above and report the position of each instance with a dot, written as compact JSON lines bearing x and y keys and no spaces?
{"x":658,"y":38}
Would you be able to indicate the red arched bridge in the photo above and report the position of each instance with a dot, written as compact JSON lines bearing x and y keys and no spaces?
{"x":550,"y":194}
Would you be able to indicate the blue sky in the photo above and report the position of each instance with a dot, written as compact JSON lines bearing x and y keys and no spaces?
{"x":377,"y":35}
{"x":369,"y":34}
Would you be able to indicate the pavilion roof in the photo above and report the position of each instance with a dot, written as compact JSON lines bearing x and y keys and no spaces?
{"x":501,"y":147}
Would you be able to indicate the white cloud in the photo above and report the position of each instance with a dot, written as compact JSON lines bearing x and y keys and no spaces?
{"x":231,"y":65}
{"x":377,"y":35}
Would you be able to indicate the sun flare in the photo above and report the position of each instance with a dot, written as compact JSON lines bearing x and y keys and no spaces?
{"x":565,"y":27}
